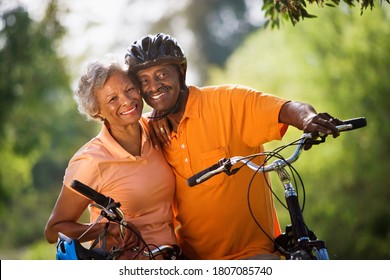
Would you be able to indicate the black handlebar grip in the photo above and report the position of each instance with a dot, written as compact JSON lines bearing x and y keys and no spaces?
{"x":356,"y":123}
{"x":90,"y":193}
{"x":192,"y":181}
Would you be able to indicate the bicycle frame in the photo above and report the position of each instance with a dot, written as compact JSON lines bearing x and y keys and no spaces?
{"x":297,"y":242}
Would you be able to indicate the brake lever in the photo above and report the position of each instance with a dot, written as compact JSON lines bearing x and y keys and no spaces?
{"x":316,"y":142}
{"x":234,"y":171}
{"x":227,"y":165}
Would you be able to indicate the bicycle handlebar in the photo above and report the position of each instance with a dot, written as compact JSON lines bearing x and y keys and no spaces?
{"x":91,"y":193}
{"x":225,"y":164}
{"x":110,"y":209}
{"x":356,"y":123}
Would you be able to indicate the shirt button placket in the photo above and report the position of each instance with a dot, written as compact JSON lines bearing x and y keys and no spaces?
{"x":184,"y":149}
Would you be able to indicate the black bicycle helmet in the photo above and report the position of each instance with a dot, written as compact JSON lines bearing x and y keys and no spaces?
{"x":153,"y":50}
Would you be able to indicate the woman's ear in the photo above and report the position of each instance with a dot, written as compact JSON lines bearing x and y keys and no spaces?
{"x":100,"y":116}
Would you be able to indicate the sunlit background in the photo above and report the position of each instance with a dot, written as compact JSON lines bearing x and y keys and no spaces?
{"x":338,"y":61}
{"x":95,"y":28}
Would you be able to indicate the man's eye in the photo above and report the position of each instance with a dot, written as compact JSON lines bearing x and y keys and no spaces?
{"x":162,"y":75}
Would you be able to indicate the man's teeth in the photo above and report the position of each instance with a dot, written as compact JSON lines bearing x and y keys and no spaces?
{"x":157,"y":96}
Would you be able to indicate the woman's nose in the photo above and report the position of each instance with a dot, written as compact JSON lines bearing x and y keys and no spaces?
{"x":125,"y":100}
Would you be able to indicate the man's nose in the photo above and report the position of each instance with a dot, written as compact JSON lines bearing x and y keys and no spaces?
{"x":154,"y":85}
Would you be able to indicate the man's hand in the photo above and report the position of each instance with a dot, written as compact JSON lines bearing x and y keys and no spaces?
{"x":304,"y":117}
{"x":322,"y":125}
{"x":159,"y":130}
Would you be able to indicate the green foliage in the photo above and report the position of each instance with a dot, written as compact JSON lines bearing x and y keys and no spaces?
{"x":327,"y":63}
{"x":277,"y":11}
{"x":29,"y":85}
{"x":40,"y":250}
{"x":40,"y":128}
{"x":339,"y":65}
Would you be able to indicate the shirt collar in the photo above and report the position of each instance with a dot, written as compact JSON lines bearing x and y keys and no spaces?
{"x":193,"y":103}
{"x":114,"y":148}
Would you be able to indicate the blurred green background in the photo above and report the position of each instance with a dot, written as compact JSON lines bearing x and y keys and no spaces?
{"x":339,"y":62}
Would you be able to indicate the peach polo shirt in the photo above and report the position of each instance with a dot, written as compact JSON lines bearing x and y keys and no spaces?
{"x":144,"y":185}
{"x":213,"y":217}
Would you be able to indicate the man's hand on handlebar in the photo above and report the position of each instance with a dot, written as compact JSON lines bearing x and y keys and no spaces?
{"x":322,"y":125}
{"x":304,"y":117}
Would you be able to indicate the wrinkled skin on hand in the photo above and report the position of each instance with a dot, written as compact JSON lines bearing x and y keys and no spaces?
{"x":322,"y":124}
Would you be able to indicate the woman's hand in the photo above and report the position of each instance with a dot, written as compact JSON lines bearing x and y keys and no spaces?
{"x":129,"y":239}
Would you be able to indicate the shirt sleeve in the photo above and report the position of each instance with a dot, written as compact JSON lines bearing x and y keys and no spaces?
{"x":83,"y":169}
{"x":256,"y":116}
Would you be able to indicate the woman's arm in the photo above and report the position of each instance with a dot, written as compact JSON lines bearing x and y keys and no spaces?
{"x":65,"y":215}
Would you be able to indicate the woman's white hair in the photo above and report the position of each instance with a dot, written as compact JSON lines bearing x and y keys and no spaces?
{"x":95,"y":75}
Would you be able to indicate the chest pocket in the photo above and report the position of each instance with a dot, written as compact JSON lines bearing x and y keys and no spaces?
{"x":210,"y":158}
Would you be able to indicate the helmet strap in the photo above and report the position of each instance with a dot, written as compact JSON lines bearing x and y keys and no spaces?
{"x":173,"y":110}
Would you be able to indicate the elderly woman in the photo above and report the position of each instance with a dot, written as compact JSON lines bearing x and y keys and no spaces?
{"x":120,"y":162}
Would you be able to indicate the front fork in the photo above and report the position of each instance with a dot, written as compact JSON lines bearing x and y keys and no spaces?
{"x":304,"y":241}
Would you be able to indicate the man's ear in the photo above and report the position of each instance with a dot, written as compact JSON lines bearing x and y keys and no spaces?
{"x":182,"y":70}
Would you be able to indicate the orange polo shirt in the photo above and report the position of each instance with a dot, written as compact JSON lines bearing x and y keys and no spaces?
{"x":144,"y":185}
{"x":214,"y":218}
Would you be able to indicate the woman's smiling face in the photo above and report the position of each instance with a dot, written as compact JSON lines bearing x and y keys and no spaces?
{"x":119,"y":100}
